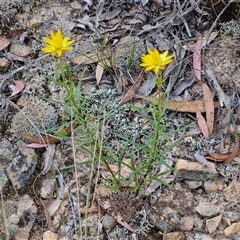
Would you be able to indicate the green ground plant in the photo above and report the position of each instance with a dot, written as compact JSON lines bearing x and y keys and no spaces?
{"x":146,"y":155}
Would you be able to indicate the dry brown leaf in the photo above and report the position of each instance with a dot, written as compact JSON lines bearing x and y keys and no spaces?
{"x":206,"y":41}
{"x":99,"y":72}
{"x":181,"y":106}
{"x":197,"y":58}
{"x":48,"y":139}
{"x":14,"y":34}
{"x":209,"y":106}
{"x":132,"y":91}
{"x":218,"y":157}
{"x":202,"y":124}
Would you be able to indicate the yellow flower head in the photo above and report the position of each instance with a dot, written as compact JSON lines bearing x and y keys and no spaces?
{"x":57,"y":45}
{"x":154,"y":61}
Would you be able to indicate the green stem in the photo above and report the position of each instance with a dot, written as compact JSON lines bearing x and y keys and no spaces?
{"x":158,"y":108}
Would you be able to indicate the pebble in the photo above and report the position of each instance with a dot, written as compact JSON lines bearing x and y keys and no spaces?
{"x":108,"y":222}
{"x":6,"y":150}
{"x":4,"y":62}
{"x":200,"y":236}
{"x":48,"y":188}
{"x":210,"y":187}
{"x":173,"y":236}
{"x":232,"y":191}
{"x":233,"y":216}
{"x":48,"y":235}
{"x":220,"y":187}
{"x":207,"y":209}
{"x":20,"y":49}
{"x":193,"y":184}
{"x":213,"y":223}
{"x":231,"y":230}
{"x":27,"y":212}
{"x":194,"y":171}
{"x":22,"y":166}
{"x":186,"y":224}
{"x":161,"y":221}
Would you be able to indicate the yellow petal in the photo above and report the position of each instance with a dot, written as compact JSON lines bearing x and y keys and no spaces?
{"x":156,"y":57}
{"x":149,"y":68}
{"x":59,"y":52}
{"x":48,"y":40}
{"x":48,"y":49}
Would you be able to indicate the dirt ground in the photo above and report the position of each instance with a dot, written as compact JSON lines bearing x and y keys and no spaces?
{"x":43,"y":198}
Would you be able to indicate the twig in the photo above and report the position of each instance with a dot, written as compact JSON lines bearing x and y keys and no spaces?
{"x":183,"y":19}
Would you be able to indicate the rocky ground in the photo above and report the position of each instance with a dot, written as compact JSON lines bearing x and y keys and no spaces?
{"x":41,"y":198}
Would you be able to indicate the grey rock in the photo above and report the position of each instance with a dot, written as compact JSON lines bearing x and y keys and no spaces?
{"x":22,"y":166}
{"x":48,"y":188}
{"x":200,"y":236}
{"x":193,"y":184}
{"x":213,"y":223}
{"x":232,"y":192}
{"x":108,"y":222}
{"x":12,"y":225}
{"x":27,"y":212}
{"x":3,"y":178}
{"x":207,"y":209}
{"x":194,"y":171}
{"x":233,"y":216}
{"x":6,"y":150}
{"x":162,"y":223}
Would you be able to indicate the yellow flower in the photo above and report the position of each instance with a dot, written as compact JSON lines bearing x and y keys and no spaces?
{"x":57,"y":45}
{"x":154,"y":61}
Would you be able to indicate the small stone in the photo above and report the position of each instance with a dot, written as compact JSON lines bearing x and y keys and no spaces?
{"x":48,"y":235}
{"x":12,"y":223}
{"x":210,"y":187}
{"x":194,"y":171}
{"x":3,"y":178}
{"x":6,"y":150}
{"x":108,"y":222}
{"x":171,"y":215}
{"x":186,"y":224}
{"x":4,"y":62}
{"x":56,"y":220}
{"x":220,"y":187}
{"x":27,"y":212}
{"x":22,"y":166}
{"x":173,"y":236}
{"x":193,"y":184}
{"x":231,"y":230}
{"x":76,"y":5}
{"x":232,"y":192}
{"x":20,"y":49}
{"x":207,"y":209}
{"x":48,"y":188}
{"x":233,"y":216}
{"x":200,"y":236}
{"x":161,"y":222}
{"x":213,"y":223}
